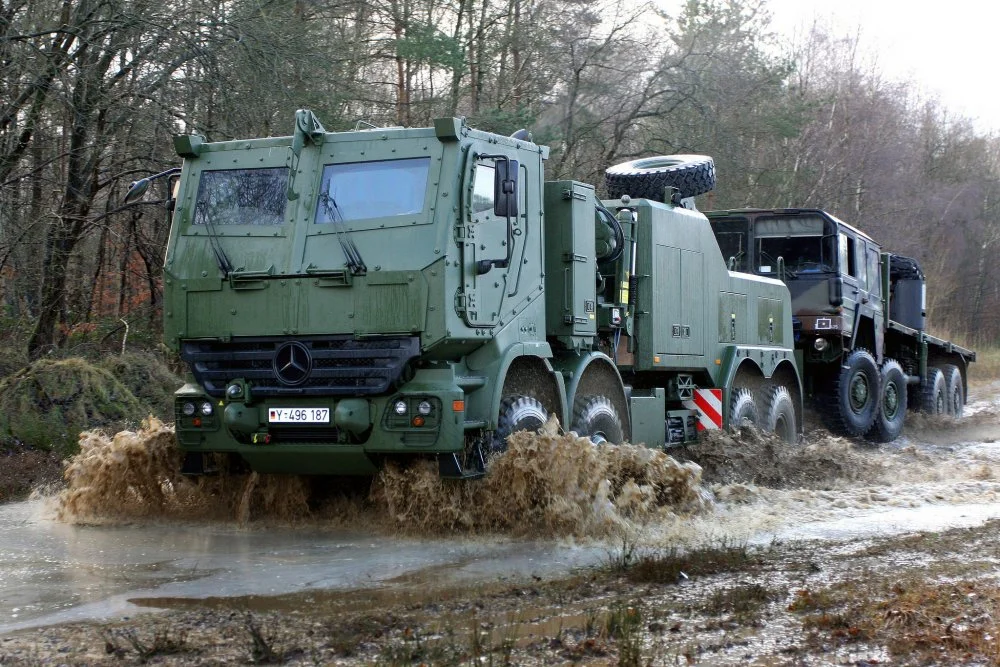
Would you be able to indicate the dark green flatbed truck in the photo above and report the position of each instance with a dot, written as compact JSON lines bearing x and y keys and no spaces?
{"x":860,"y":318}
{"x":346,"y":298}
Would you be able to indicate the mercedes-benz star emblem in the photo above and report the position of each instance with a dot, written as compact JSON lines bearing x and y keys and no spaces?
{"x":292,"y":363}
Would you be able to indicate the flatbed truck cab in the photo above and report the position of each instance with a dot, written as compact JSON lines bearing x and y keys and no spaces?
{"x":859,"y":318}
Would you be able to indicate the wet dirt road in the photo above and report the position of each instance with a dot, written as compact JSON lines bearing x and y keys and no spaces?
{"x":939,"y":476}
{"x":51,"y":572}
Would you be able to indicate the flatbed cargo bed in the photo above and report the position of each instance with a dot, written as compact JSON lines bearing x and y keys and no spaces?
{"x":922,"y":336}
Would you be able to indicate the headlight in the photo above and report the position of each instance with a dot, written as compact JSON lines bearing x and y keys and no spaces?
{"x":399,"y":407}
{"x":206,"y":408}
{"x":821,"y":344}
{"x":187,"y":409}
{"x":424,"y":408}
{"x":234,"y":391}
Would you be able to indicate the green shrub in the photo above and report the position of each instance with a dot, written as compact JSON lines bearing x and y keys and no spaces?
{"x":149,"y":378}
{"x":49,"y":402}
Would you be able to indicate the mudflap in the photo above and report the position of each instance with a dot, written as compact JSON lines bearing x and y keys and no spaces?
{"x":194,"y":465}
{"x":450,"y":467}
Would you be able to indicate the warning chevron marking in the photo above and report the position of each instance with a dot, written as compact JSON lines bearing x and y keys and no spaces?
{"x":708,"y":403}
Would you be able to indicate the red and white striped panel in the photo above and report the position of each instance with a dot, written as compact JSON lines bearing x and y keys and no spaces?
{"x":708,"y":403}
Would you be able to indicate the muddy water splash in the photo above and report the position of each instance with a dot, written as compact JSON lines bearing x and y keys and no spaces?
{"x":557,"y":484}
{"x":553,"y":484}
{"x":753,"y":457}
{"x":136,"y":474}
{"x":545,"y":484}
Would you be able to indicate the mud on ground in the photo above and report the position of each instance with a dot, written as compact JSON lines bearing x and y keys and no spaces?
{"x":911,"y":599}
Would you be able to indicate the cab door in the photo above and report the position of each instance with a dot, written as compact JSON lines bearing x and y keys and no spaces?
{"x":875,"y":297}
{"x":486,"y":240}
{"x":853,"y":274}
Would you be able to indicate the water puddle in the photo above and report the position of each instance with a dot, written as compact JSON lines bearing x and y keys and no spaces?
{"x":128,"y":527}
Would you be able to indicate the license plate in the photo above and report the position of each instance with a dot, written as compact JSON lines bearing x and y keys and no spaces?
{"x":298,"y":415}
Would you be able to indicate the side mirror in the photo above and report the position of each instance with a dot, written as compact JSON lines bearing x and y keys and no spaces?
{"x":137,"y":190}
{"x":836,"y":291}
{"x":505,"y":189}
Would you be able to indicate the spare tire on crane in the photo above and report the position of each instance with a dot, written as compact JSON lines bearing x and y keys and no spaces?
{"x":649,"y":177}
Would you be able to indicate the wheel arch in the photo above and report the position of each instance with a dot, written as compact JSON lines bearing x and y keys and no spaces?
{"x":531,"y":375}
{"x":786,"y":375}
{"x":864,"y":337}
{"x":746,"y":373}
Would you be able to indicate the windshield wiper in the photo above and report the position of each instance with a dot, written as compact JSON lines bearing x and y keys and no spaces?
{"x":351,"y":253}
{"x":225,"y":265}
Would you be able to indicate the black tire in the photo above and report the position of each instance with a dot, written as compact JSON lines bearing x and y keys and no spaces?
{"x":904,"y":268}
{"x":892,"y":404}
{"x":779,"y":414}
{"x":852,"y":405}
{"x":517,"y":413}
{"x":742,"y":409}
{"x":595,"y":417}
{"x":954,"y":391}
{"x":647,"y":178}
{"x":933,"y":393}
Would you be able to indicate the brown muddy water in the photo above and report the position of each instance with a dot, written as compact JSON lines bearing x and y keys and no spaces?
{"x":127,"y":530}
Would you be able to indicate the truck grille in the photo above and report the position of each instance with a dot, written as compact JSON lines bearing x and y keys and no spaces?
{"x":334,"y":366}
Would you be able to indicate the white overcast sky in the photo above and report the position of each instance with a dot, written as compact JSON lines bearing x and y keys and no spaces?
{"x":948,"y":50}
{"x":951,"y":50}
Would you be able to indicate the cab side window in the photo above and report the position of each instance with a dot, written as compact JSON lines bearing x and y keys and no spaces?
{"x":482,"y":192}
{"x":852,"y":259}
{"x":860,"y":266}
{"x":874,"y":277}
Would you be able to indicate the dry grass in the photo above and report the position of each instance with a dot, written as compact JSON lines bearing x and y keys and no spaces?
{"x":986,"y":368}
{"x":920,"y":618}
{"x":676,"y":565}
{"x":743,"y":602}
{"x":946,"y":611}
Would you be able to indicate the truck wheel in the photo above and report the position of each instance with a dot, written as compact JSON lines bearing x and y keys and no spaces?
{"x":779,"y":414}
{"x":854,"y":401}
{"x":595,"y":417}
{"x":742,"y":409}
{"x":933,"y":393}
{"x":892,"y":404}
{"x":647,"y":178}
{"x":954,"y":390}
{"x":517,"y":413}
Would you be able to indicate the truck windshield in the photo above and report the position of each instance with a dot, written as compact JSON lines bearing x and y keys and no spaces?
{"x":361,"y":190}
{"x":801,"y":243}
{"x":242,"y":197}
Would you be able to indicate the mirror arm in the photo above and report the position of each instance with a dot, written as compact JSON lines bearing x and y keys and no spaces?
{"x":484,"y":266}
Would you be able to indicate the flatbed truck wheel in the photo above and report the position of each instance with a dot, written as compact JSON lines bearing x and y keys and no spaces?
{"x":933,"y":393}
{"x":892,"y":404}
{"x":852,"y":404}
{"x":779,"y":414}
{"x":954,"y":390}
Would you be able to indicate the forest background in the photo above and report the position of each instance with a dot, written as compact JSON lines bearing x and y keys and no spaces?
{"x":91,"y":92}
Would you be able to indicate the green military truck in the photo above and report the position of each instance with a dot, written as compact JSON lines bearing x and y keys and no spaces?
{"x":860,"y":318}
{"x":345,"y":298}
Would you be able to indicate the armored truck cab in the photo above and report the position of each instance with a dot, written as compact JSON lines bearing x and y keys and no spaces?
{"x":342,"y":298}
